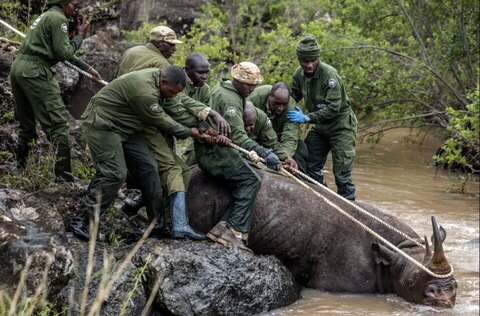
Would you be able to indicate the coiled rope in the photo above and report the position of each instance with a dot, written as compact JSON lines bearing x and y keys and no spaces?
{"x":356,"y":221}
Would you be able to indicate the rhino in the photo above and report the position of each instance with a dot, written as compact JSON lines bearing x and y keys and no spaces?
{"x":325,"y":250}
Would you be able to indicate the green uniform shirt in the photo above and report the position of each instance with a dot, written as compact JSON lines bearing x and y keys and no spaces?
{"x":201,"y":94}
{"x":264,"y":134}
{"x":148,"y":56}
{"x":226,"y":101}
{"x":141,"y":57}
{"x":288,"y":133}
{"x":47,"y":39}
{"x":130,"y":102}
{"x":324,"y":94}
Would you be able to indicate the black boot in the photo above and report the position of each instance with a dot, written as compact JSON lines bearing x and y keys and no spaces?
{"x":22,"y":154}
{"x":131,"y":206}
{"x":162,"y":231}
{"x":63,"y":167}
{"x":79,"y":227}
{"x":178,"y":212}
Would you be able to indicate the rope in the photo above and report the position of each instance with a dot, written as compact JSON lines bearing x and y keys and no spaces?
{"x":83,"y":72}
{"x":356,"y":221}
{"x":358,"y":208}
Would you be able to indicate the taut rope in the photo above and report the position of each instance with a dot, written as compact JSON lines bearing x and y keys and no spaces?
{"x":356,"y":221}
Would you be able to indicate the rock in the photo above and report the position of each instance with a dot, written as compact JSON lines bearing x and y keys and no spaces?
{"x":8,"y":51}
{"x":31,"y":233}
{"x":127,"y":293}
{"x":177,"y":13}
{"x":203,"y":278}
{"x":106,"y":63}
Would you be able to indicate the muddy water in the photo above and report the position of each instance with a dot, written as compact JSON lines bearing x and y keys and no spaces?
{"x":400,"y":178}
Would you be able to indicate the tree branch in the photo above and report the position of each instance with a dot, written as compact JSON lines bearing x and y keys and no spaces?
{"x":408,"y":118}
{"x":459,"y":97}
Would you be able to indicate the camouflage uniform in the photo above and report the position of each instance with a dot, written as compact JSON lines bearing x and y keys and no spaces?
{"x":114,"y":114}
{"x":36,"y":92}
{"x":288,"y":133}
{"x":335,"y":125}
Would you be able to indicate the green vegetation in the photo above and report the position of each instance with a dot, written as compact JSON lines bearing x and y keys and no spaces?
{"x":405,"y":63}
{"x":38,"y":173}
{"x":462,"y":148}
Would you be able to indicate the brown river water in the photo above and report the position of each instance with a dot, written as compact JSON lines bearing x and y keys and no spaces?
{"x":400,"y":178}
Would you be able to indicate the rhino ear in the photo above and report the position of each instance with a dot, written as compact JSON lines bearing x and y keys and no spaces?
{"x":382,"y":254}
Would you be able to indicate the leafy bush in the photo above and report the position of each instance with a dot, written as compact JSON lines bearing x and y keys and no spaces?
{"x":462,"y":149}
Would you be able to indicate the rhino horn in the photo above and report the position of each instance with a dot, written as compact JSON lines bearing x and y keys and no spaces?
{"x":439,"y":262}
{"x":428,"y":252}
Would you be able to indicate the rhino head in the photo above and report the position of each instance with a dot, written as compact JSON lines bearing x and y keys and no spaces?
{"x":412,"y":283}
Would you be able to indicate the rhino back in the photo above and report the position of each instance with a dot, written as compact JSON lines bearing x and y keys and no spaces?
{"x":321,"y":247}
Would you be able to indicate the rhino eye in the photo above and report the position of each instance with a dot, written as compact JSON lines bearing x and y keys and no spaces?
{"x":413,"y":280}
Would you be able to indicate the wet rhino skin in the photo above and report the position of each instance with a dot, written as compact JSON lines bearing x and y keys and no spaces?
{"x":322,"y":248}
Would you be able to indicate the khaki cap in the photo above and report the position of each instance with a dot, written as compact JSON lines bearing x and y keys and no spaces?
{"x":247,"y":72}
{"x":164,"y":33}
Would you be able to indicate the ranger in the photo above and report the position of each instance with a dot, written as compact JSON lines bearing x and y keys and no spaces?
{"x":335,"y":124}
{"x":275,"y":101}
{"x":226,"y":165}
{"x":259,"y":128}
{"x":113,"y":115}
{"x":36,"y":92}
{"x":173,"y":171}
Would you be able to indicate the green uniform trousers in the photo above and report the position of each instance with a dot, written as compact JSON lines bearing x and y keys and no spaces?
{"x":243,"y":182}
{"x":339,"y":138}
{"x":37,"y":98}
{"x":301,"y":156}
{"x":112,"y":157}
{"x":174,"y":173}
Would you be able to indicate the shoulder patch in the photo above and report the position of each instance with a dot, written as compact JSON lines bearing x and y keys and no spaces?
{"x":269,"y":123}
{"x":35,"y":23}
{"x":155,"y":107}
{"x":64,"y":28}
{"x":231,"y":111}
{"x":332,"y":83}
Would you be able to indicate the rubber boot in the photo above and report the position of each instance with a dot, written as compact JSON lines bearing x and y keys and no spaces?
{"x":63,"y":167}
{"x":180,"y":224}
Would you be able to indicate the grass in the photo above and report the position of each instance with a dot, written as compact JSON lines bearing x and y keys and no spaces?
{"x":37,"y":303}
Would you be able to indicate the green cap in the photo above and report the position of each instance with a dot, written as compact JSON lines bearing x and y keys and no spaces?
{"x":308,"y":47}
{"x":58,"y":2}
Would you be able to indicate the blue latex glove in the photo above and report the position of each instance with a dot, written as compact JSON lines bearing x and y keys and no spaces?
{"x":297,"y":116}
{"x":271,"y":160}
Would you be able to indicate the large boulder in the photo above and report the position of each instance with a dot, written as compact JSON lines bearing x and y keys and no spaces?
{"x":30,"y":242}
{"x":203,"y":278}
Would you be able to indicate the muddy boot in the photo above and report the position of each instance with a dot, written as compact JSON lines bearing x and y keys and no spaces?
{"x":131,"y":206}
{"x":178,"y":212}
{"x":63,"y":167}
{"x":217,"y":231}
{"x":162,"y":231}
{"x":227,"y":236}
